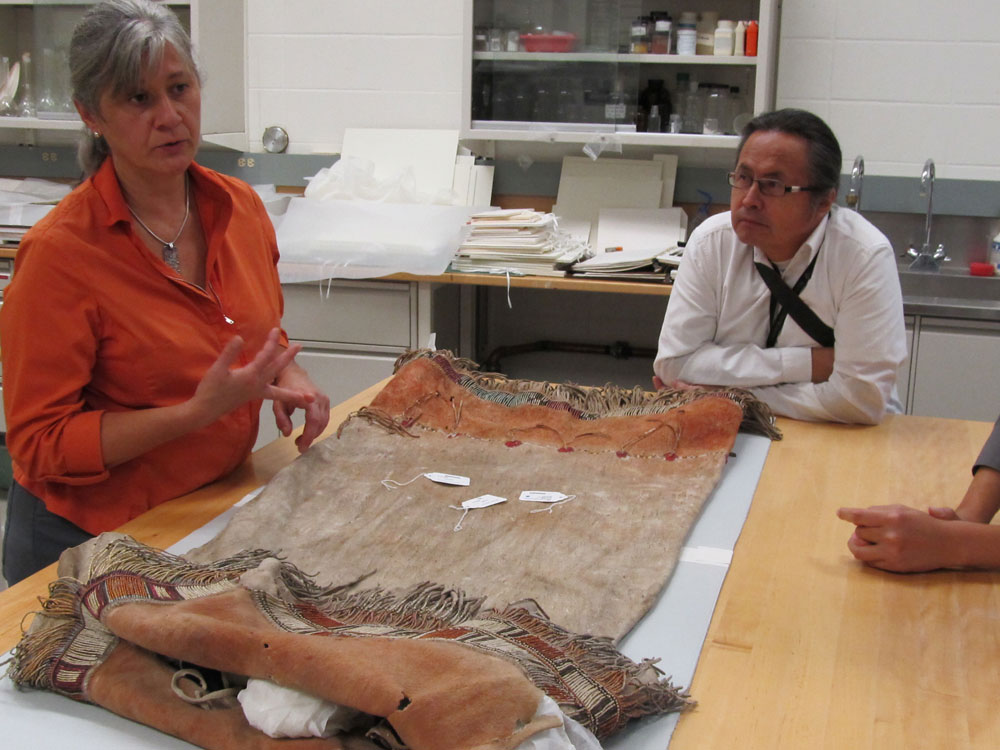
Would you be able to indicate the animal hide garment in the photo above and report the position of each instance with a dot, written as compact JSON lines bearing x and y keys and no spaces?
{"x":442,"y":622}
{"x":639,"y":466}
{"x":125,"y":621}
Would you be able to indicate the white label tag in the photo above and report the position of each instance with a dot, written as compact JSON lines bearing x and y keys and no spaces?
{"x":483,"y":501}
{"x":542,"y":496}
{"x":707,"y":556}
{"x":455,"y":479}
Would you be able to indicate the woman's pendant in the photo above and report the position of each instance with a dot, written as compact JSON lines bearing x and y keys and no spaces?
{"x":170,"y":256}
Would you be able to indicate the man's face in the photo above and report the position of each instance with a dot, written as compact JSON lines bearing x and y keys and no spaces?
{"x":778,"y":225}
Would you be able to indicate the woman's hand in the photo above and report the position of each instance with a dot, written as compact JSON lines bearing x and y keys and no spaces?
{"x":224,"y":388}
{"x":128,"y":434}
{"x":295,"y":380}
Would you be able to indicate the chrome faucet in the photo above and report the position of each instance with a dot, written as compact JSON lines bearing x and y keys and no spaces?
{"x":925,"y":259}
{"x":853,"y":199}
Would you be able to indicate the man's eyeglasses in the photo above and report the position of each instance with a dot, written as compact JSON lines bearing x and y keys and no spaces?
{"x":767,"y":185}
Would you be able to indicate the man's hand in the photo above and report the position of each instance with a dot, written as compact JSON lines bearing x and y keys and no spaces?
{"x":677,"y":385}
{"x":822,"y":363}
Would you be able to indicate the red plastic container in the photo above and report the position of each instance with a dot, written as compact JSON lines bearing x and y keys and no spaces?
{"x":981,"y":269}
{"x":548,"y":42}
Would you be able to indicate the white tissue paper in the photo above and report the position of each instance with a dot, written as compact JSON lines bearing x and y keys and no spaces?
{"x":571,"y":736}
{"x":283,"y":712}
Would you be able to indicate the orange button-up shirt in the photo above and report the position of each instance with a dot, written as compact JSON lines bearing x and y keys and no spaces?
{"x":92,"y":321}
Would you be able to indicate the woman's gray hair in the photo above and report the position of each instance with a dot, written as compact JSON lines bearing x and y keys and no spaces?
{"x":114,"y":44}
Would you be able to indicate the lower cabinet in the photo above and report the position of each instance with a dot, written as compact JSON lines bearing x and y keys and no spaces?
{"x":956,"y":368}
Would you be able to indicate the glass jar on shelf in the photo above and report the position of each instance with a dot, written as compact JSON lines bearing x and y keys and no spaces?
{"x":602,"y":26}
{"x":660,"y":40}
{"x":716,"y":109}
{"x":639,"y":38}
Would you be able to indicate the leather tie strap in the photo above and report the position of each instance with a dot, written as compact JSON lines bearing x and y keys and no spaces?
{"x":785,"y":301}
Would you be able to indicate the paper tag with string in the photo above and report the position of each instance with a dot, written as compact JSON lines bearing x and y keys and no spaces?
{"x":483,"y":501}
{"x":552,"y":499}
{"x":542,"y":496}
{"x":456,"y":480}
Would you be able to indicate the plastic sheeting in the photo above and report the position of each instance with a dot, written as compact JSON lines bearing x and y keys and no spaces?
{"x":359,"y":240}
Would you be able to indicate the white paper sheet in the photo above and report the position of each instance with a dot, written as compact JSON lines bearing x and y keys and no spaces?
{"x":429,"y":153}
{"x":669,"y":176}
{"x":638,"y":230}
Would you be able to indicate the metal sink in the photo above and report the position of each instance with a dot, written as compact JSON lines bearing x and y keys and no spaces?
{"x":951,"y":293}
{"x":948,"y":284}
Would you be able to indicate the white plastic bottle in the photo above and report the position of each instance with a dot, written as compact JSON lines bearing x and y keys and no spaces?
{"x":724,"y":33}
{"x":739,"y":39}
{"x":995,"y":252}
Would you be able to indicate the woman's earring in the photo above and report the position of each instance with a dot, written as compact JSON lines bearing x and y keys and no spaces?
{"x":96,"y":134}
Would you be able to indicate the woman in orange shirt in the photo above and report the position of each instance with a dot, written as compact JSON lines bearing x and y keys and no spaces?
{"x":141,"y":329}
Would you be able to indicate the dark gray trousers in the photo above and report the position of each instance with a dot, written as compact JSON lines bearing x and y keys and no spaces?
{"x":33,"y":536}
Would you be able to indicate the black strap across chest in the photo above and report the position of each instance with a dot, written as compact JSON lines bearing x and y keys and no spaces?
{"x":785,"y":301}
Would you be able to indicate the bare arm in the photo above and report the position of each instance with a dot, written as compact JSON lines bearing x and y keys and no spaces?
{"x":127,"y":435}
{"x":904,"y":539}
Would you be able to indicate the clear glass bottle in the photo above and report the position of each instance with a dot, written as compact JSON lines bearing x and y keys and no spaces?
{"x":615,"y":107}
{"x":654,"y":124}
{"x":26,"y":101}
{"x":6,"y":107}
{"x":694,"y":109}
{"x":495,"y":39}
{"x":740,"y":110}
{"x":602,"y":26}
{"x":716,"y":107}
{"x":47,"y":100}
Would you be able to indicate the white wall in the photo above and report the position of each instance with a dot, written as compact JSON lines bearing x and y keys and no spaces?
{"x":898,"y":80}
{"x":319,"y":66}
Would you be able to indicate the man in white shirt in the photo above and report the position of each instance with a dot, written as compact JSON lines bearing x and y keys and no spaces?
{"x":837,"y":359}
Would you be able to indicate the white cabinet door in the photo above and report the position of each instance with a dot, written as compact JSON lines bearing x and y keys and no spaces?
{"x":957,"y":368}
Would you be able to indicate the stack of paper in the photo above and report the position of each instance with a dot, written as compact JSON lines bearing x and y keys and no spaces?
{"x":624,"y":265}
{"x":521,"y":241}
{"x":638,"y":244}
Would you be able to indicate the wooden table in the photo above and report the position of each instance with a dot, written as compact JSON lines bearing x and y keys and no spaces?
{"x":563,"y":283}
{"x":807,"y":648}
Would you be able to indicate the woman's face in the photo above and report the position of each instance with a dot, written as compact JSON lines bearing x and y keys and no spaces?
{"x":153,"y":132}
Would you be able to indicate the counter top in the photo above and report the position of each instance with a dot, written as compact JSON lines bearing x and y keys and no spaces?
{"x":807,"y":648}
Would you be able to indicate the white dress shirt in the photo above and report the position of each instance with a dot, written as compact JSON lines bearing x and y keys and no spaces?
{"x":716,"y":324}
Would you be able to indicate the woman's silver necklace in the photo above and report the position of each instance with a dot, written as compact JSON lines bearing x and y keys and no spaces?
{"x":169,"y":251}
